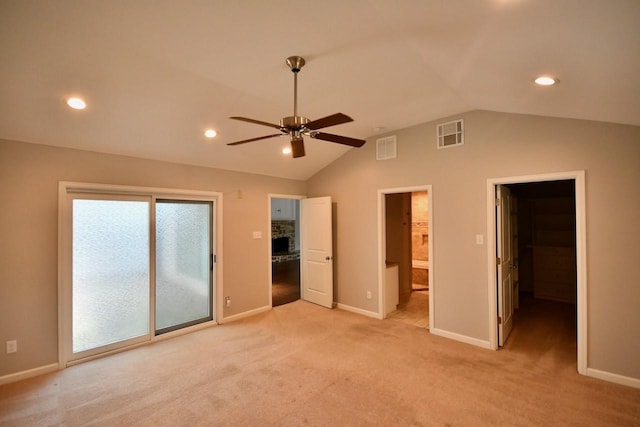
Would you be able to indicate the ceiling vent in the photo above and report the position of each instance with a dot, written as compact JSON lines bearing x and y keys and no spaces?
{"x":386,"y":148}
{"x":450,"y":134}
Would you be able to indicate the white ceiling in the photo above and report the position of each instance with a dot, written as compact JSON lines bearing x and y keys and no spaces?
{"x":156,"y":74}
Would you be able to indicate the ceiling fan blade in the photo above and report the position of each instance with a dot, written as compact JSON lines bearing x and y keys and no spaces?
{"x":254,"y":139}
{"x":297,"y":147}
{"x":332,"y":120}
{"x":339,"y":139}
{"x":257,"y":122}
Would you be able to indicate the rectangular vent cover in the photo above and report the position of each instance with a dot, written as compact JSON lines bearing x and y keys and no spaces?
{"x":386,"y":148}
{"x":450,"y":134}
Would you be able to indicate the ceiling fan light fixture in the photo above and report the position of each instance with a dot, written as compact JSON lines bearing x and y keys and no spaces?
{"x":210,"y":133}
{"x":286,"y":150}
{"x":546,"y":81}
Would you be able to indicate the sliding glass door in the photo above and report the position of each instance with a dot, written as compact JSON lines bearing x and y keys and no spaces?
{"x":110,"y":272}
{"x":183,"y":264}
{"x":133,"y":266}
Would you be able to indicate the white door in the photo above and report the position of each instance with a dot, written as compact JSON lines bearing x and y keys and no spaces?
{"x":316,"y":266}
{"x":504,"y":263}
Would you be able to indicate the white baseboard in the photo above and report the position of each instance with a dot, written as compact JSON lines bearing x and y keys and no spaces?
{"x":29,"y":373}
{"x":461,"y":338}
{"x":614,"y":378}
{"x":359,"y":311}
{"x":245,"y":314}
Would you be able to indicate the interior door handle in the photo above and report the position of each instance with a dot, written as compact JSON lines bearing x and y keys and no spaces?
{"x":328,"y":258}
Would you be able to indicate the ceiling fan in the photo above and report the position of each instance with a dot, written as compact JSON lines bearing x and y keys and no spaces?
{"x":297,"y":126}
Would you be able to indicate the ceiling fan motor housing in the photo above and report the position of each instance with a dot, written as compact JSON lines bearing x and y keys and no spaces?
{"x":294,"y":122}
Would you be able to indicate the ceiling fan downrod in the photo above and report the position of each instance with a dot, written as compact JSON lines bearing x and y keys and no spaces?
{"x":295,"y":63}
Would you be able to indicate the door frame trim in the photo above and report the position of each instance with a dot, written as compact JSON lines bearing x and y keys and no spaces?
{"x":581,"y":254}
{"x":382,"y":246}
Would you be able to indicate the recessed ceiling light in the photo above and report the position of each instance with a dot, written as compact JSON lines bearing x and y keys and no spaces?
{"x":286,"y":150}
{"x":210,"y":133}
{"x":546,"y":81}
{"x":76,"y":103}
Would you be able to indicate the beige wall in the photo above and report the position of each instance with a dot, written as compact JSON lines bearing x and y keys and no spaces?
{"x":499,"y":145}
{"x":29,"y":176}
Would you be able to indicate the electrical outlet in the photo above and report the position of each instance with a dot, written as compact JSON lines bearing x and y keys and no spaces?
{"x":227,"y":301}
{"x":12,"y":346}
{"x":368,"y":294}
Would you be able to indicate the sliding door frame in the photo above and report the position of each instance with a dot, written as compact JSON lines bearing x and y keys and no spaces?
{"x":66,"y":190}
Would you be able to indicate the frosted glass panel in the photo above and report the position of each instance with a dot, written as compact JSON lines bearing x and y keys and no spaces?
{"x":110,"y":272}
{"x":183,"y":286}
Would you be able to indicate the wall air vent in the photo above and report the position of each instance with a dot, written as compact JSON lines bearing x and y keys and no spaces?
{"x":386,"y":148}
{"x":450,"y":134}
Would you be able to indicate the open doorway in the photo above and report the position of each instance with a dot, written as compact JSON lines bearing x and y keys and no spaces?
{"x":405,"y":256}
{"x":285,"y":250}
{"x":538,"y":265}
{"x":543,"y":219}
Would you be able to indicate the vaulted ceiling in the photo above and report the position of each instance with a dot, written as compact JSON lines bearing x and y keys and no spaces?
{"x":157,"y":74}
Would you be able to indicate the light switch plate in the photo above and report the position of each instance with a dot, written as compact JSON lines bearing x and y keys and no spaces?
{"x":257,"y":234}
{"x":479,"y":239}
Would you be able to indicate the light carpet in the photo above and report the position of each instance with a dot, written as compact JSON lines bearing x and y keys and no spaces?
{"x":301,"y":364}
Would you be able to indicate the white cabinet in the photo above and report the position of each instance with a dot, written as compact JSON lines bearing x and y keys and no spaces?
{"x":283,"y":209}
{"x":391,"y":285}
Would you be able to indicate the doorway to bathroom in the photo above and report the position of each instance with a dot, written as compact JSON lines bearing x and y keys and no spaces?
{"x":285,"y":249}
{"x":406,"y":248}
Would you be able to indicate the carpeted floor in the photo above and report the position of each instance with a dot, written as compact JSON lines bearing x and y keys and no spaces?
{"x":301,"y":364}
